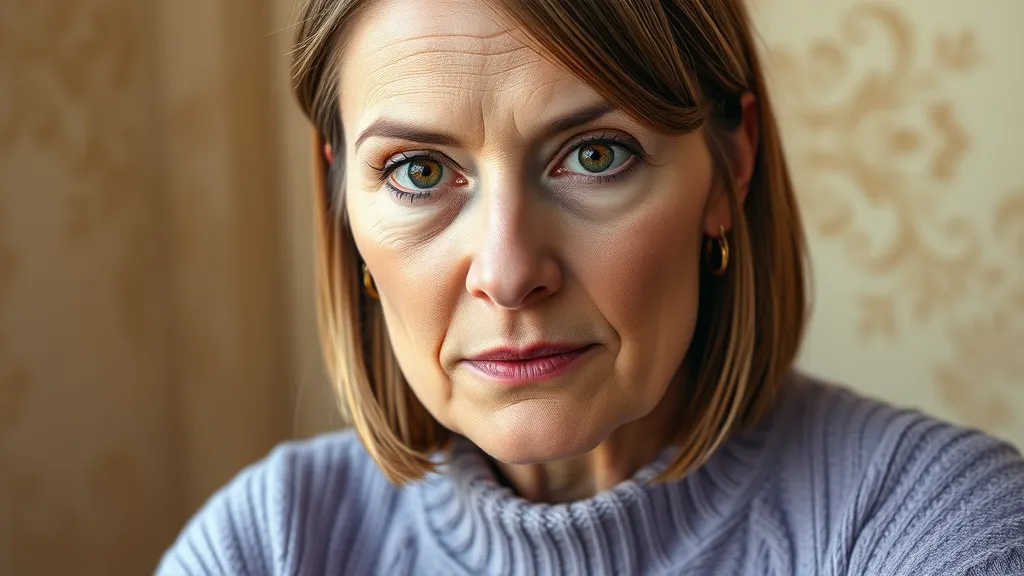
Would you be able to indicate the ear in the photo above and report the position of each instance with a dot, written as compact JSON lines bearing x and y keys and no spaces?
{"x":329,"y":153}
{"x":743,"y":141}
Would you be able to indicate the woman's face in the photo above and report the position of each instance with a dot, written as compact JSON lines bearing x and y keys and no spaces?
{"x":536,"y":251}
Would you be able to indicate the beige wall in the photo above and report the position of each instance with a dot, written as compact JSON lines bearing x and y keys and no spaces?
{"x":905,"y":130}
{"x":84,"y":436}
{"x":156,"y":327}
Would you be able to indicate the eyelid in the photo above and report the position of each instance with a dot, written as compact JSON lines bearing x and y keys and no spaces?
{"x":404,"y":157}
{"x":393,"y":164}
{"x":610,"y":138}
{"x":629,"y":143}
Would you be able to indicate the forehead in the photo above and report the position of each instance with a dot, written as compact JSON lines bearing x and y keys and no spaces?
{"x":453,"y":58}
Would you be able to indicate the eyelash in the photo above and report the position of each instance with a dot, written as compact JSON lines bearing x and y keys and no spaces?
{"x":407,"y":196}
{"x":631,"y":146}
{"x":383,"y":174}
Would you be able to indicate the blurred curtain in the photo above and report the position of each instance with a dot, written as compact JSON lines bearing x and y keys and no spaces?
{"x":156,"y":328}
{"x":156,"y":313}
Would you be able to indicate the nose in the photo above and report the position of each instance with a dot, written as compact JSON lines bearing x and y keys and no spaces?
{"x":514,"y":263}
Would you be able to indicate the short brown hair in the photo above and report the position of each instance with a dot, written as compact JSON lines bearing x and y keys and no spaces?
{"x":676,"y":65}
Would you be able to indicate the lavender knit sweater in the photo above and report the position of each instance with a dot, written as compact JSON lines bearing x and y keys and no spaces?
{"x":830,"y":483}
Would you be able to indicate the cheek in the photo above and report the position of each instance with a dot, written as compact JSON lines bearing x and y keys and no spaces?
{"x":647,"y":269}
{"x":644,"y":280}
{"x":418,"y":298}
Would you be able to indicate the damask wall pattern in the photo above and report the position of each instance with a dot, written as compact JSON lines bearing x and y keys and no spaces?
{"x":903,"y":127}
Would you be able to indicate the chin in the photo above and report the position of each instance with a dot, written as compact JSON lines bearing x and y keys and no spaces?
{"x":523,"y":434}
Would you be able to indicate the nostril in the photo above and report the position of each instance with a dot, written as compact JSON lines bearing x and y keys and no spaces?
{"x":537,"y":292}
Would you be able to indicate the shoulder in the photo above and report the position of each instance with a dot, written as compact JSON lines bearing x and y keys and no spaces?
{"x":902,"y":492}
{"x":819,"y":416}
{"x":262,"y":521}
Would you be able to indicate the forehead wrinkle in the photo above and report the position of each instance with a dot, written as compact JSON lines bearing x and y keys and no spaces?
{"x":457,"y":52}
{"x":437,"y":84}
{"x":423,"y":69}
{"x":380,"y":95}
{"x":398,"y":85}
{"x":456,"y":43}
{"x":445,"y":85}
{"x":441,"y":35}
{"x":421,"y":63}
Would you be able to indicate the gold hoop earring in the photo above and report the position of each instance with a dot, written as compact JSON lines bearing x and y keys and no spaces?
{"x":368,"y":285}
{"x":717,"y":257}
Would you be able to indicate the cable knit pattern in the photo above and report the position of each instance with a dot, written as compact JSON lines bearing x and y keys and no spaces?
{"x":829,"y":483}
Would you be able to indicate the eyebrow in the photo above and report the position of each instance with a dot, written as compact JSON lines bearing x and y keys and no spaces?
{"x":390,"y":128}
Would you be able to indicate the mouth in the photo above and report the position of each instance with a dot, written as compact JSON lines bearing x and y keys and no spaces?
{"x":518,"y":366}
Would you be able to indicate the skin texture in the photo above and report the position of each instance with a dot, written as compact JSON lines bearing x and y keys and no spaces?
{"x":517,"y":243}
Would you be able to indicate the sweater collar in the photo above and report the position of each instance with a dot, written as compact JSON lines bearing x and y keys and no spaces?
{"x":636,"y":527}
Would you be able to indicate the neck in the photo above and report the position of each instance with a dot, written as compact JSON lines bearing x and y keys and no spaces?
{"x":616,"y":459}
{"x":639,"y":526}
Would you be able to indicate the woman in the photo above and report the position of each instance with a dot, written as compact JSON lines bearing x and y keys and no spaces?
{"x":561,"y":290}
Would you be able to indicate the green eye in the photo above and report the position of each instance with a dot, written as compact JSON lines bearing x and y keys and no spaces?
{"x":597,"y":160}
{"x":596,"y":157}
{"x":424,"y":173}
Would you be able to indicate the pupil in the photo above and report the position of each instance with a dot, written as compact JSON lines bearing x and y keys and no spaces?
{"x":596,"y":158}
{"x":424,"y":174}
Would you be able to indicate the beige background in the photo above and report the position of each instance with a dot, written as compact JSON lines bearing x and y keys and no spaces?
{"x":904,"y":127}
{"x":156,"y":328}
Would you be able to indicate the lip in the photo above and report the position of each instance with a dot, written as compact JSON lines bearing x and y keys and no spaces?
{"x":519,"y":366}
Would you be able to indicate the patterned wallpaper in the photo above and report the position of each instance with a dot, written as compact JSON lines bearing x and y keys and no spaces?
{"x":903,"y":124}
{"x":156,"y":318}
